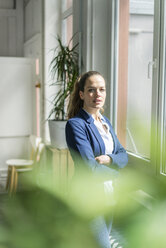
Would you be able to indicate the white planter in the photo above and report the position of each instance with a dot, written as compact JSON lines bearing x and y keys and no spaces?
{"x":57,"y":133}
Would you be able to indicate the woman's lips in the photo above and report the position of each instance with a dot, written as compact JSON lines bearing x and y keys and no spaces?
{"x":97,"y":101}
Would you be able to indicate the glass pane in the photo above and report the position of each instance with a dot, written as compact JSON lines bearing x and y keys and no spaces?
{"x":68,"y":30}
{"x":67,"y":4}
{"x":135,"y":75}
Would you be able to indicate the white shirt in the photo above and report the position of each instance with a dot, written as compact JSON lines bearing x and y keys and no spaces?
{"x":104,"y":131}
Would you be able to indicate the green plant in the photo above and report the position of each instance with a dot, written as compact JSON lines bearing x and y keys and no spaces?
{"x":64,"y":71}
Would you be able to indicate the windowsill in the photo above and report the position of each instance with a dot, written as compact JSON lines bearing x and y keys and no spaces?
{"x":138,"y":157}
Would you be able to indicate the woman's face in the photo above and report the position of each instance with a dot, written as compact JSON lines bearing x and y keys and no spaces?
{"x":94,"y":93}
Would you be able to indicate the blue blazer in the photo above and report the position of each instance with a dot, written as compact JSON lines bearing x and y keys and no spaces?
{"x":85,"y":143}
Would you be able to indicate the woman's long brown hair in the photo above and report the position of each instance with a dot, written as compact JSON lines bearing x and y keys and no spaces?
{"x":75,"y":103}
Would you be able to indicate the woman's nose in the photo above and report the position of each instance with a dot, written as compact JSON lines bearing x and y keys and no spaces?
{"x":97,"y":92}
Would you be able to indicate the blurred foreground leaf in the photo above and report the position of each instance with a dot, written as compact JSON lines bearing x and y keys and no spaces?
{"x":39,"y":219}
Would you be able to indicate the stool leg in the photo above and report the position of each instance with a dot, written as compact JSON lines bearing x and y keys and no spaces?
{"x":12,"y":180}
{"x":15,"y":180}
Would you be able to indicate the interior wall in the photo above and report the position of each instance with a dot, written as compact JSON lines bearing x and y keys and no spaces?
{"x":19,"y":72}
{"x":15,"y":107}
{"x":52,"y":27}
{"x":11,"y":28}
{"x":33,"y":17}
{"x":95,"y":29}
{"x":33,"y":29}
{"x":33,"y":48}
{"x":91,"y":21}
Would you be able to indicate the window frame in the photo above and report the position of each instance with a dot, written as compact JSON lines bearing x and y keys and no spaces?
{"x":158,"y":71}
{"x":158,"y":89}
{"x":160,"y":100}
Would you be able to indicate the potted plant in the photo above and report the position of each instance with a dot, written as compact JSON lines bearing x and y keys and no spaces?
{"x":64,"y":71}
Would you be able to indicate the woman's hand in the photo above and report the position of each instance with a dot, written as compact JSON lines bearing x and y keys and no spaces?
{"x":104,"y":159}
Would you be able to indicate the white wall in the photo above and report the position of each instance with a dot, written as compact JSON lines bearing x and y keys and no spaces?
{"x":52,"y":27}
{"x":33,"y":15}
{"x":94,"y":40}
{"x":19,"y":40}
{"x":35,"y":44}
{"x":11,"y":28}
{"x":33,"y":18}
{"x":95,"y":27}
{"x":33,"y":48}
{"x":16,"y":107}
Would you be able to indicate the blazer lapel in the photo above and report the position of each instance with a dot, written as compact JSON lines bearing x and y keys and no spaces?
{"x":98,"y":137}
{"x":88,"y":118}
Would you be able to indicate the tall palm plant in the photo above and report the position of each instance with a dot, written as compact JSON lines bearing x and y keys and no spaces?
{"x":64,"y":71}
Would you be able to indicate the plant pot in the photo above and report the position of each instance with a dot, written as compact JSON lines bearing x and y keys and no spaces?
{"x":57,"y":133}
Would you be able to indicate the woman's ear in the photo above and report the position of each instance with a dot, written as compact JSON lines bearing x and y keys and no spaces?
{"x":81,"y":93}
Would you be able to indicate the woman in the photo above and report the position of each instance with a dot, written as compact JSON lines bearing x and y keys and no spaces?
{"x":90,"y":136}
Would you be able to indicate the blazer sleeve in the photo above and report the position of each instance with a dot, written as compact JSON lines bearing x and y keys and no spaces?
{"x":78,"y":142}
{"x":119,"y":156}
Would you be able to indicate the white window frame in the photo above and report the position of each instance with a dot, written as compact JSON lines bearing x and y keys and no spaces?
{"x":159,"y":151}
{"x":159,"y":88}
{"x":159,"y":73}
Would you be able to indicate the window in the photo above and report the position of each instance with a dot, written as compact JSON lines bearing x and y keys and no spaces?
{"x":133,"y":33}
{"x":140,"y":104}
{"x":66,"y":5}
{"x":135,"y":75}
{"x":67,"y":21}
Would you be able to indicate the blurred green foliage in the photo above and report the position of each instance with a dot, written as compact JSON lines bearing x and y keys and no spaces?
{"x":39,"y":219}
{"x":51,"y":215}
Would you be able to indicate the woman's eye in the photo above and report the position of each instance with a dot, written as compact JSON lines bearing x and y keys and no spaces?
{"x":91,"y":90}
{"x":102,"y":90}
